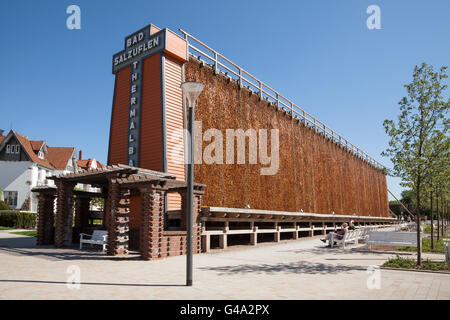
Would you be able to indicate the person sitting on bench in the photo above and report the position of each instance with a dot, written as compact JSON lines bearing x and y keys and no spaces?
{"x":338,"y":234}
{"x":351,"y":225}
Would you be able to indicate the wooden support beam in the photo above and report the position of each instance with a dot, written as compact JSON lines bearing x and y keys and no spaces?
{"x":296,"y":231}
{"x":223,"y":241}
{"x":206,"y":243}
{"x":254,"y":237}
{"x":276,"y":236}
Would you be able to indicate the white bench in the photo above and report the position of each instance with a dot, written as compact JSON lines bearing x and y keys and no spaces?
{"x":364,"y":233}
{"x":98,"y":237}
{"x":447,"y":249}
{"x":392,"y":238}
{"x":351,"y":236}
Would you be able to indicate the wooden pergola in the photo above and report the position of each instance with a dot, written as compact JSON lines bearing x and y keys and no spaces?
{"x":118,"y":183}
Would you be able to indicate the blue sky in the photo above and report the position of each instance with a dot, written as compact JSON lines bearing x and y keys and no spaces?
{"x":56,"y":84}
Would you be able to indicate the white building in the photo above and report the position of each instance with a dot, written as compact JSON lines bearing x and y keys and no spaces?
{"x":25,"y":164}
{"x":89,"y":164}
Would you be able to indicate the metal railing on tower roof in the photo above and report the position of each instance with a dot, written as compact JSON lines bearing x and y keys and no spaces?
{"x":265,"y":92}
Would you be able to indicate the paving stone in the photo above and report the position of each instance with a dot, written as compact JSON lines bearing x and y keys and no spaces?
{"x":302,"y":269}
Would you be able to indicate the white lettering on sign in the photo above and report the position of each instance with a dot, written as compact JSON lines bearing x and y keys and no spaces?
{"x":131,"y":41}
{"x":133,"y":53}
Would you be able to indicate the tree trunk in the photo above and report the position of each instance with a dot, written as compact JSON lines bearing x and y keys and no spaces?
{"x":438,"y":216}
{"x":432,"y":220}
{"x":419,"y":243}
{"x":442,"y":215}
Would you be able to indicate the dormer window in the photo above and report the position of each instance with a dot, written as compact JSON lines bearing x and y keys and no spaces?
{"x":41,"y":155}
{"x":13,"y":148}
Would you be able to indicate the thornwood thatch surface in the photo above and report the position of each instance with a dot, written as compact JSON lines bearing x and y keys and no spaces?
{"x":314,"y":174}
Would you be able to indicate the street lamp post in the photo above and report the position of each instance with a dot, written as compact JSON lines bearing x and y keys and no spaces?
{"x":191,"y":91}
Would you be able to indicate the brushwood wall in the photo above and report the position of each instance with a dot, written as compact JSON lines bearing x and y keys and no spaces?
{"x":314,"y":175}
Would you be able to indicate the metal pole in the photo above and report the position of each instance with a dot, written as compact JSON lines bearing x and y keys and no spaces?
{"x":190,"y":196}
{"x":401,"y":203}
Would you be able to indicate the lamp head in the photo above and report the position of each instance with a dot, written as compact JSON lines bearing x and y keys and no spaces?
{"x":191,"y":90}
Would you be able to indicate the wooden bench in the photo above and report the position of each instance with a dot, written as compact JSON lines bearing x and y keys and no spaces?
{"x":392,"y":238}
{"x":97,"y":237}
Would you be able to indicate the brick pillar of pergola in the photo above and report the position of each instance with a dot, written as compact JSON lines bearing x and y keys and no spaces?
{"x":152,"y":223}
{"x":82,"y":206}
{"x":45,"y":230}
{"x":64,"y":213}
{"x":119,"y":209}
{"x":196,"y":228}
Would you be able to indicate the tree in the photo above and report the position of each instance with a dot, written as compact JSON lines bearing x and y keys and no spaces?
{"x":437,"y":156}
{"x":422,"y":112}
{"x":408,"y":199}
{"x":98,"y":202}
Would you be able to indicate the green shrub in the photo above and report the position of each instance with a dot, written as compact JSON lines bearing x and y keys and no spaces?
{"x":21,"y":220}
{"x":7,"y":219}
{"x":407,"y":263}
{"x":4,"y":206}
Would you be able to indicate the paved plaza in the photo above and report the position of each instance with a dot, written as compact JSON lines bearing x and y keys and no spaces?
{"x":302,"y":269}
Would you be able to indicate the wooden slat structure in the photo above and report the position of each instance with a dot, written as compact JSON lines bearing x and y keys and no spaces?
{"x":225,"y":222}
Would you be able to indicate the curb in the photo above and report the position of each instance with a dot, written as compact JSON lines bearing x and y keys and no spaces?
{"x":415,"y":270}
{"x":400,"y":253}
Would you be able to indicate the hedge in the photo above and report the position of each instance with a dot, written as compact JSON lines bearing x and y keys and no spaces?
{"x":4,"y":206}
{"x":20,"y":220}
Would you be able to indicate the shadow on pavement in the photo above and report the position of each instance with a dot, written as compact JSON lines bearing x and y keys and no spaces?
{"x":293,"y":267}
{"x":27,"y":246}
{"x":97,"y":283}
{"x":322,"y":250}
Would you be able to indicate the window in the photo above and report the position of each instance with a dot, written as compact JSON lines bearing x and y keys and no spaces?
{"x":41,"y":155}
{"x":13,"y":148}
{"x":11,"y":198}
